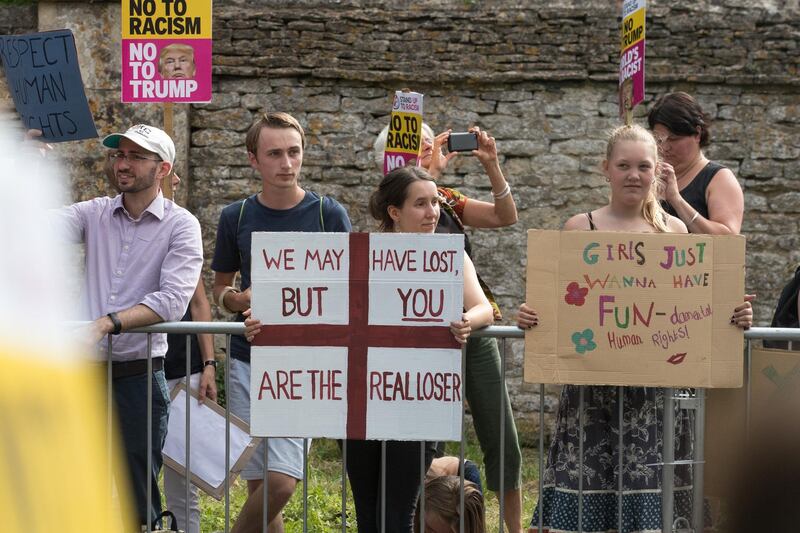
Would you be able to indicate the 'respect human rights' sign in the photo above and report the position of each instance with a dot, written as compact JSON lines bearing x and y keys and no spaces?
{"x":166,"y":51}
{"x":648,"y":309}
{"x":44,"y":80}
{"x":356,"y":340}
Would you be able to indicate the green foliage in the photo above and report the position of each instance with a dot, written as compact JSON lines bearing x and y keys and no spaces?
{"x":324,"y":493}
{"x":325,"y":489}
{"x":212,"y":512}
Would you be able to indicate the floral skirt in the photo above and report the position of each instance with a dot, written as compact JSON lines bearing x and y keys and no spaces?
{"x":643,"y":410}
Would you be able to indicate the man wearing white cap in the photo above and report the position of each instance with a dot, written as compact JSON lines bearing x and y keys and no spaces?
{"x":143,"y":260}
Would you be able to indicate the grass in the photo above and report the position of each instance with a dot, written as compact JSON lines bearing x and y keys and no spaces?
{"x":324,"y":490}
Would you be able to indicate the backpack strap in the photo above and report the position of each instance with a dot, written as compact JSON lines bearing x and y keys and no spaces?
{"x":236,"y":236}
{"x":321,"y":217}
{"x":241,"y":212}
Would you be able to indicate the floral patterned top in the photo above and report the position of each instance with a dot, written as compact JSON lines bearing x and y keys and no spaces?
{"x":452,"y":203}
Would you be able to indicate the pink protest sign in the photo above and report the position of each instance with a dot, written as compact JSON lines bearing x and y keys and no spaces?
{"x":166,"y":71}
{"x":356,"y":336}
{"x":166,"y":51}
{"x":631,"y":59}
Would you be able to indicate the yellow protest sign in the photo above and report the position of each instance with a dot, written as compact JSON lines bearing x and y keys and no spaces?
{"x":55,"y":464}
{"x":632,"y":29}
{"x":634,"y":309}
{"x":53,"y":453}
{"x":404,"y":140}
{"x":166,"y":51}
{"x":631,"y":57}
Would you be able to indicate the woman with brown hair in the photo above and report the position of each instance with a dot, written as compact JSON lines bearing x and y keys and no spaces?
{"x":485,"y":389}
{"x":703,"y":194}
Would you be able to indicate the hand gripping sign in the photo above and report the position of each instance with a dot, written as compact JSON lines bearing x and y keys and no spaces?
{"x":356,"y":340}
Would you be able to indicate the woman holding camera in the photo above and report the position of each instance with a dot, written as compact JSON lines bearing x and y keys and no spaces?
{"x":484,"y":384}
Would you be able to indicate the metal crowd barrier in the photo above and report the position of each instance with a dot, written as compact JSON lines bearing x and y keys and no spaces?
{"x":687,"y":399}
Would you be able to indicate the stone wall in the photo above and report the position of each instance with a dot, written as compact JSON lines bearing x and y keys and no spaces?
{"x":14,"y":19}
{"x":540,"y":76}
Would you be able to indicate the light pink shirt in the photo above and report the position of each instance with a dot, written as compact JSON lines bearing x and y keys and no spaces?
{"x":154,"y":260}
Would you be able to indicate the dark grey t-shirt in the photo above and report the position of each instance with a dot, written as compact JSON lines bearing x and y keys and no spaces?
{"x":232,"y":251}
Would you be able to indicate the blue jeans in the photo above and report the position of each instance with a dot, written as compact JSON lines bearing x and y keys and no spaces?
{"x":130,"y":399}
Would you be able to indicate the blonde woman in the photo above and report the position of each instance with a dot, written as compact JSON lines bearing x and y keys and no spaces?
{"x":630,"y":168}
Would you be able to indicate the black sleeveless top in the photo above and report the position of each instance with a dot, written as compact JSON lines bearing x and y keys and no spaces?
{"x":592,"y":227}
{"x":695,"y":192}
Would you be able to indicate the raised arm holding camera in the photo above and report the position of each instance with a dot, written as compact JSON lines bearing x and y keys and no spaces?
{"x":477,"y":213}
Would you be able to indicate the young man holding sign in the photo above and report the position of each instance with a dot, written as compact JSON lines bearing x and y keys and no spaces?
{"x":275,"y":144}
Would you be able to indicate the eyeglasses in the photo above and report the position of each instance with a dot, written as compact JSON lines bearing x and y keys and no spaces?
{"x":132,"y":157}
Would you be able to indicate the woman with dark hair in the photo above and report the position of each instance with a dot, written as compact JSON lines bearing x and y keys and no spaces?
{"x":406,"y":201}
{"x":703,"y":194}
{"x":484,"y":387}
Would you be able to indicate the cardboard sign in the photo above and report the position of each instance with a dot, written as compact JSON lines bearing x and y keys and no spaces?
{"x":774,"y":388}
{"x":207,"y":450}
{"x":634,"y":309}
{"x":356,"y":341}
{"x":44,"y":79}
{"x":166,"y":51}
{"x":404,"y":141}
{"x":631,"y":55}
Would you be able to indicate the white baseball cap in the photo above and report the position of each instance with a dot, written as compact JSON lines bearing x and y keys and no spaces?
{"x":148,"y":137}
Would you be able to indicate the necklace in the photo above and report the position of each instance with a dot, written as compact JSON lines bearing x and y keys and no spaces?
{"x":692,"y":170}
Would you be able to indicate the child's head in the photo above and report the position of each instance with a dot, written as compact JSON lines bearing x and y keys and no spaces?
{"x":634,"y":146}
{"x":442,"y":495}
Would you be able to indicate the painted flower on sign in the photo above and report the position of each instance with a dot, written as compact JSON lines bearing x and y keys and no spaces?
{"x":584,"y":341}
{"x":576,"y":295}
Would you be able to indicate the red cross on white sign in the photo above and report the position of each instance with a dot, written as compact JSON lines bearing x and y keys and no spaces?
{"x":356,"y":341}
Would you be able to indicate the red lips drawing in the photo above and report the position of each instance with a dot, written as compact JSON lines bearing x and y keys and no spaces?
{"x":677,"y":358}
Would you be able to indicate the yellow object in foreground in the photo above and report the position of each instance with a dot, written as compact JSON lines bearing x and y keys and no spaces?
{"x":54,"y":461}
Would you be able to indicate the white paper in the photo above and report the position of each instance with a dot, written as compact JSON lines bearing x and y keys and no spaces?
{"x":207,"y":449}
